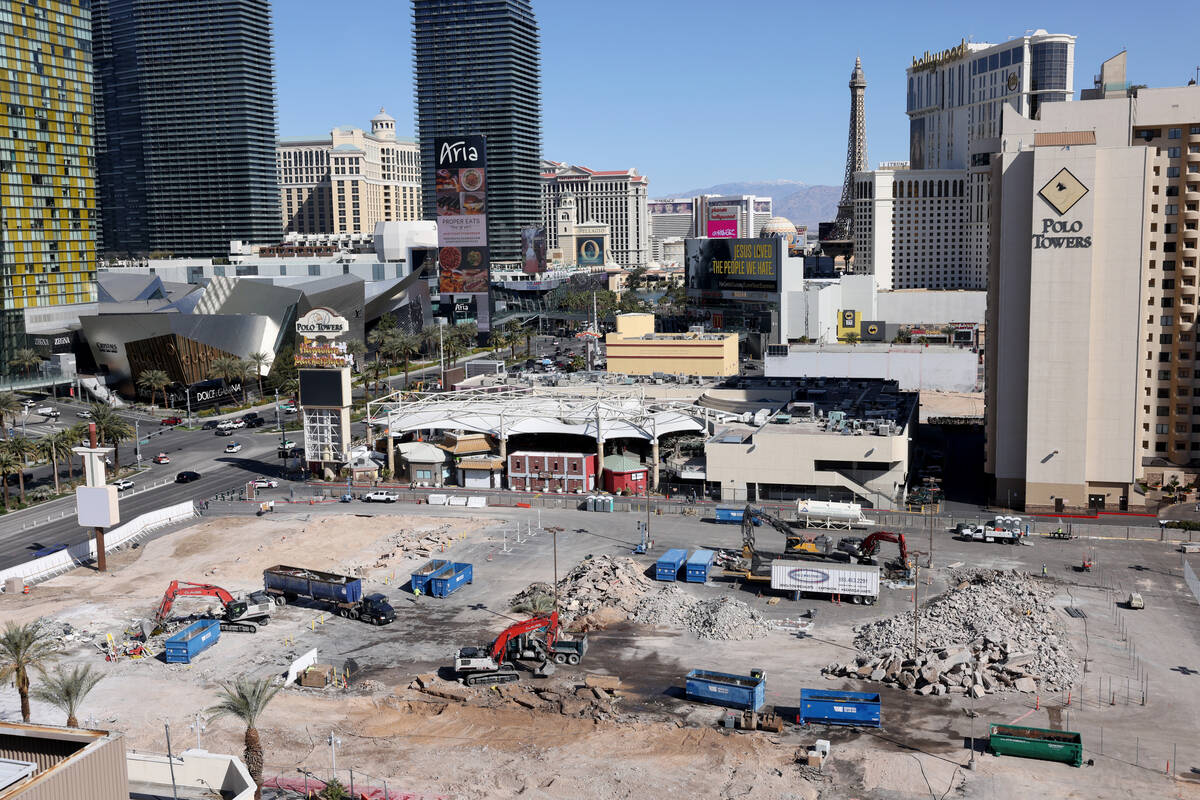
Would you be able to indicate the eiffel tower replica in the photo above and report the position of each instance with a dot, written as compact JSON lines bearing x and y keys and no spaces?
{"x":837,"y":237}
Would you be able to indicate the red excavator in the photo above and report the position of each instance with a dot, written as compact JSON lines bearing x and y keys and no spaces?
{"x":864,"y":550}
{"x":239,"y":613}
{"x":535,"y":638}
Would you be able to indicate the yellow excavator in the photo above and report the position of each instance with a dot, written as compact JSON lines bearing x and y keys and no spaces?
{"x":794,"y":542}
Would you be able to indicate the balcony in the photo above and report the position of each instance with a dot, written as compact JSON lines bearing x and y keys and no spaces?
{"x":1191,"y":213}
{"x":1189,"y":249}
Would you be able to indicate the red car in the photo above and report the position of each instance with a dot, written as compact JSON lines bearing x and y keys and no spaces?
{"x":172,"y":421}
{"x":162,"y":458}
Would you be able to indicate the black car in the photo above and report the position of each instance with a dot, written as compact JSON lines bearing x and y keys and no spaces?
{"x":187,"y":476}
{"x":251,"y":416}
{"x":256,"y":422}
{"x":208,"y":426}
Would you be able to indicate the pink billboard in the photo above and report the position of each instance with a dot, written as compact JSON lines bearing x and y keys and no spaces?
{"x":722,"y":229}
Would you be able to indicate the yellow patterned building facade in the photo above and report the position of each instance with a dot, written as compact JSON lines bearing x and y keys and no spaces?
{"x":47,"y":179}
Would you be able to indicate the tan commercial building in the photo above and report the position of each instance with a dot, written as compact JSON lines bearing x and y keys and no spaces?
{"x":350,"y":181}
{"x":1092,"y":300}
{"x":635,"y":349}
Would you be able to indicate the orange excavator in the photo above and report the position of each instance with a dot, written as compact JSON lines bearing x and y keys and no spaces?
{"x":534,"y":638}
{"x":238,"y":613}
{"x":864,"y":550}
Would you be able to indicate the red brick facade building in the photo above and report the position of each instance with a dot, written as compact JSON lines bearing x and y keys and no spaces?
{"x":552,"y":472}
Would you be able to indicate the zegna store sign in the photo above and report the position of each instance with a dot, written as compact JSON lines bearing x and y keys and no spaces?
{"x":1061,"y":193}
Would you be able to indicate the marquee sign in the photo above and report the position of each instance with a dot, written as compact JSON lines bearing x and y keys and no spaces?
{"x":322,"y":323}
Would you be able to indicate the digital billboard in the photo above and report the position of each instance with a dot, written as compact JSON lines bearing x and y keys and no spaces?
{"x":762,"y":206}
{"x":533,"y":250}
{"x":671,"y":208}
{"x":460,"y":192}
{"x":589,"y":251}
{"x":722,"y":221}
{"x":746,"y":265}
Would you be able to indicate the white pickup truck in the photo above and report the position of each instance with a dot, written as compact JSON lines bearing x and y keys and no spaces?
{"x":380,"y":497}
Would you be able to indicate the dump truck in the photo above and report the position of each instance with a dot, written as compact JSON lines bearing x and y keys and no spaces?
{"x":341,"y":594}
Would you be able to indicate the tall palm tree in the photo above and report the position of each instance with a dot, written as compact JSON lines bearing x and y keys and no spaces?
{"x":378,"y":337}
{"x":8,"y":465}
{"x":111,"y":430}
{"x":228,"y":369}
{"x":21,"y":448}
{"x":22,"y":648}
{"x":371,"y":376}
{"x":404,"y":346}
{"x":26,"y":358}
{"x":429,"y":339}
{"x":66,"y":687}
{"x":258,"y":359}
{"x":246,"y":699}
{"x":10,"y":406}
{"x":155,"y":380}
{"x":56,"y":448}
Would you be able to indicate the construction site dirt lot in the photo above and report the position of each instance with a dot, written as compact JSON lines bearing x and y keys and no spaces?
{"x":402,"y":718}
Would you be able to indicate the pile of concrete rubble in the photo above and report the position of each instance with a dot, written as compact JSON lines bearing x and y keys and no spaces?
{"x":618,"y":583}
{"x":994,"y":632}
{"x":422,"y":543}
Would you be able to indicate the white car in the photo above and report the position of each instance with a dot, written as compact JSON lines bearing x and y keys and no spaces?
{"x":233,"y":447}
{"x":47,"y":411}
{"x":226,"y":425}
{"x":84,"y":414}
{"x":238,"y":423}
{"x":123,"y":484}
{"x":265,"y":483}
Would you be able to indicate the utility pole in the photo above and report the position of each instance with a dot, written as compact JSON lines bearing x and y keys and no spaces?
{"x":441,"y":360}
{"x":916,"y":604}
{"x":188,"y":394}
{"x":137,"y":443}
{"x":171,"y":761}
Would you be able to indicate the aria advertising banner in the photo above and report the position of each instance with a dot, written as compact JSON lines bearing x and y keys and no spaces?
{"x":589,"y":251}
{"x":736,"y":265}
{"x":460,"y":192}
{"x":533,"y":250}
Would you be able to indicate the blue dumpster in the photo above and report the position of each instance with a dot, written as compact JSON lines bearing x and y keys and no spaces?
{"x":723,"y":689}
{"x":191,"y":641}
{"x":449,"y":579}
{"x":419,"y":579}
{"x":834,"y":707}
{"x":730,"y":515}
{"x":698,"y":564}
{"x":668,"y":566}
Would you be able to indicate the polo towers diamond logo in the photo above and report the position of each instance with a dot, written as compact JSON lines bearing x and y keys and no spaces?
{"x":1063,"y":191}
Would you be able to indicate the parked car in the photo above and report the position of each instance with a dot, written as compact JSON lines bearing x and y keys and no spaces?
{"x":162,"y":458}
{"x":265,"y":483}
{"x":233,"y":447}
{"x":83,"y":414}
{"x":247,"y":417}
{"x":47,"y":411}
{"x":123,"y":484}
{"x":380,"y":497}
{"x":208,"y":426}
{"x":187,"y":476}
{"x":172,"y":421}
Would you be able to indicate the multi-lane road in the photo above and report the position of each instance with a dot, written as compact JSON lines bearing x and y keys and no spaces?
{"x":198,"y":451}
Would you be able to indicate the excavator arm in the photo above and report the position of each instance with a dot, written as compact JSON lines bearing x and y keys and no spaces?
{"x":185,"y":589}
{"x":547,"y":622}
{"x":870,"y":545}
{"x":794,"y":542}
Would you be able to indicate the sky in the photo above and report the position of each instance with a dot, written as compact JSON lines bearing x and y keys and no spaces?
{"x":693,"y":93}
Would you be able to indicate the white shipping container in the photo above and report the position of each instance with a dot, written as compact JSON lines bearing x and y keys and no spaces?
{"x":825,"y":509}
{"x":823,"y":578}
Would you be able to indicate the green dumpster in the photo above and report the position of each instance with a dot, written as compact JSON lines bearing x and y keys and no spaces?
{"x":1040,"y":743}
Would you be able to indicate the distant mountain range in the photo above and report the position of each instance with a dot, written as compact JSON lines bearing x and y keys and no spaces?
{"x":802,"y":203}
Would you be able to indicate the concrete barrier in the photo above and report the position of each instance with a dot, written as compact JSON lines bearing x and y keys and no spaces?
{"x":46,"y":567}
{"x":194,"y":771}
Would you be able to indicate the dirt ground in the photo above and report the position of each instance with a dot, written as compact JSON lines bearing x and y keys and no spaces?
{"x":647,"y":742}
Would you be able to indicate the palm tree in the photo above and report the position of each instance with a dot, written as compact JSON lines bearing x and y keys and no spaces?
{"x":259,"y":359}
{"x":56,"y":447}
{"x":358,"y":351}
{"x":21,"y":448}
{"x":371,"y":376}
{"x":72,"y":436}
{"x":378,"y":338}
{"x":512,"y":331}
{"x":66,"y":687}
{"x":227,"y":368}
{"x":429,"y":338}
{"x":246,"y":370}
{"x":27,"y":358}
{"x":246,"y":699}
{"x":10,"y":406}
{"x":8,"y":465}
{"x":111,"y":429}
{"x":405,"y":346}
{"x":155,"y":380}
{"x":22,"y":648}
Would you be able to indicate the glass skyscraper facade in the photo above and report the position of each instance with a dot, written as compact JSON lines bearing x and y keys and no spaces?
{"x":186,"y":129}
{"x":47,"y":185}
{"x":478,"y":71}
